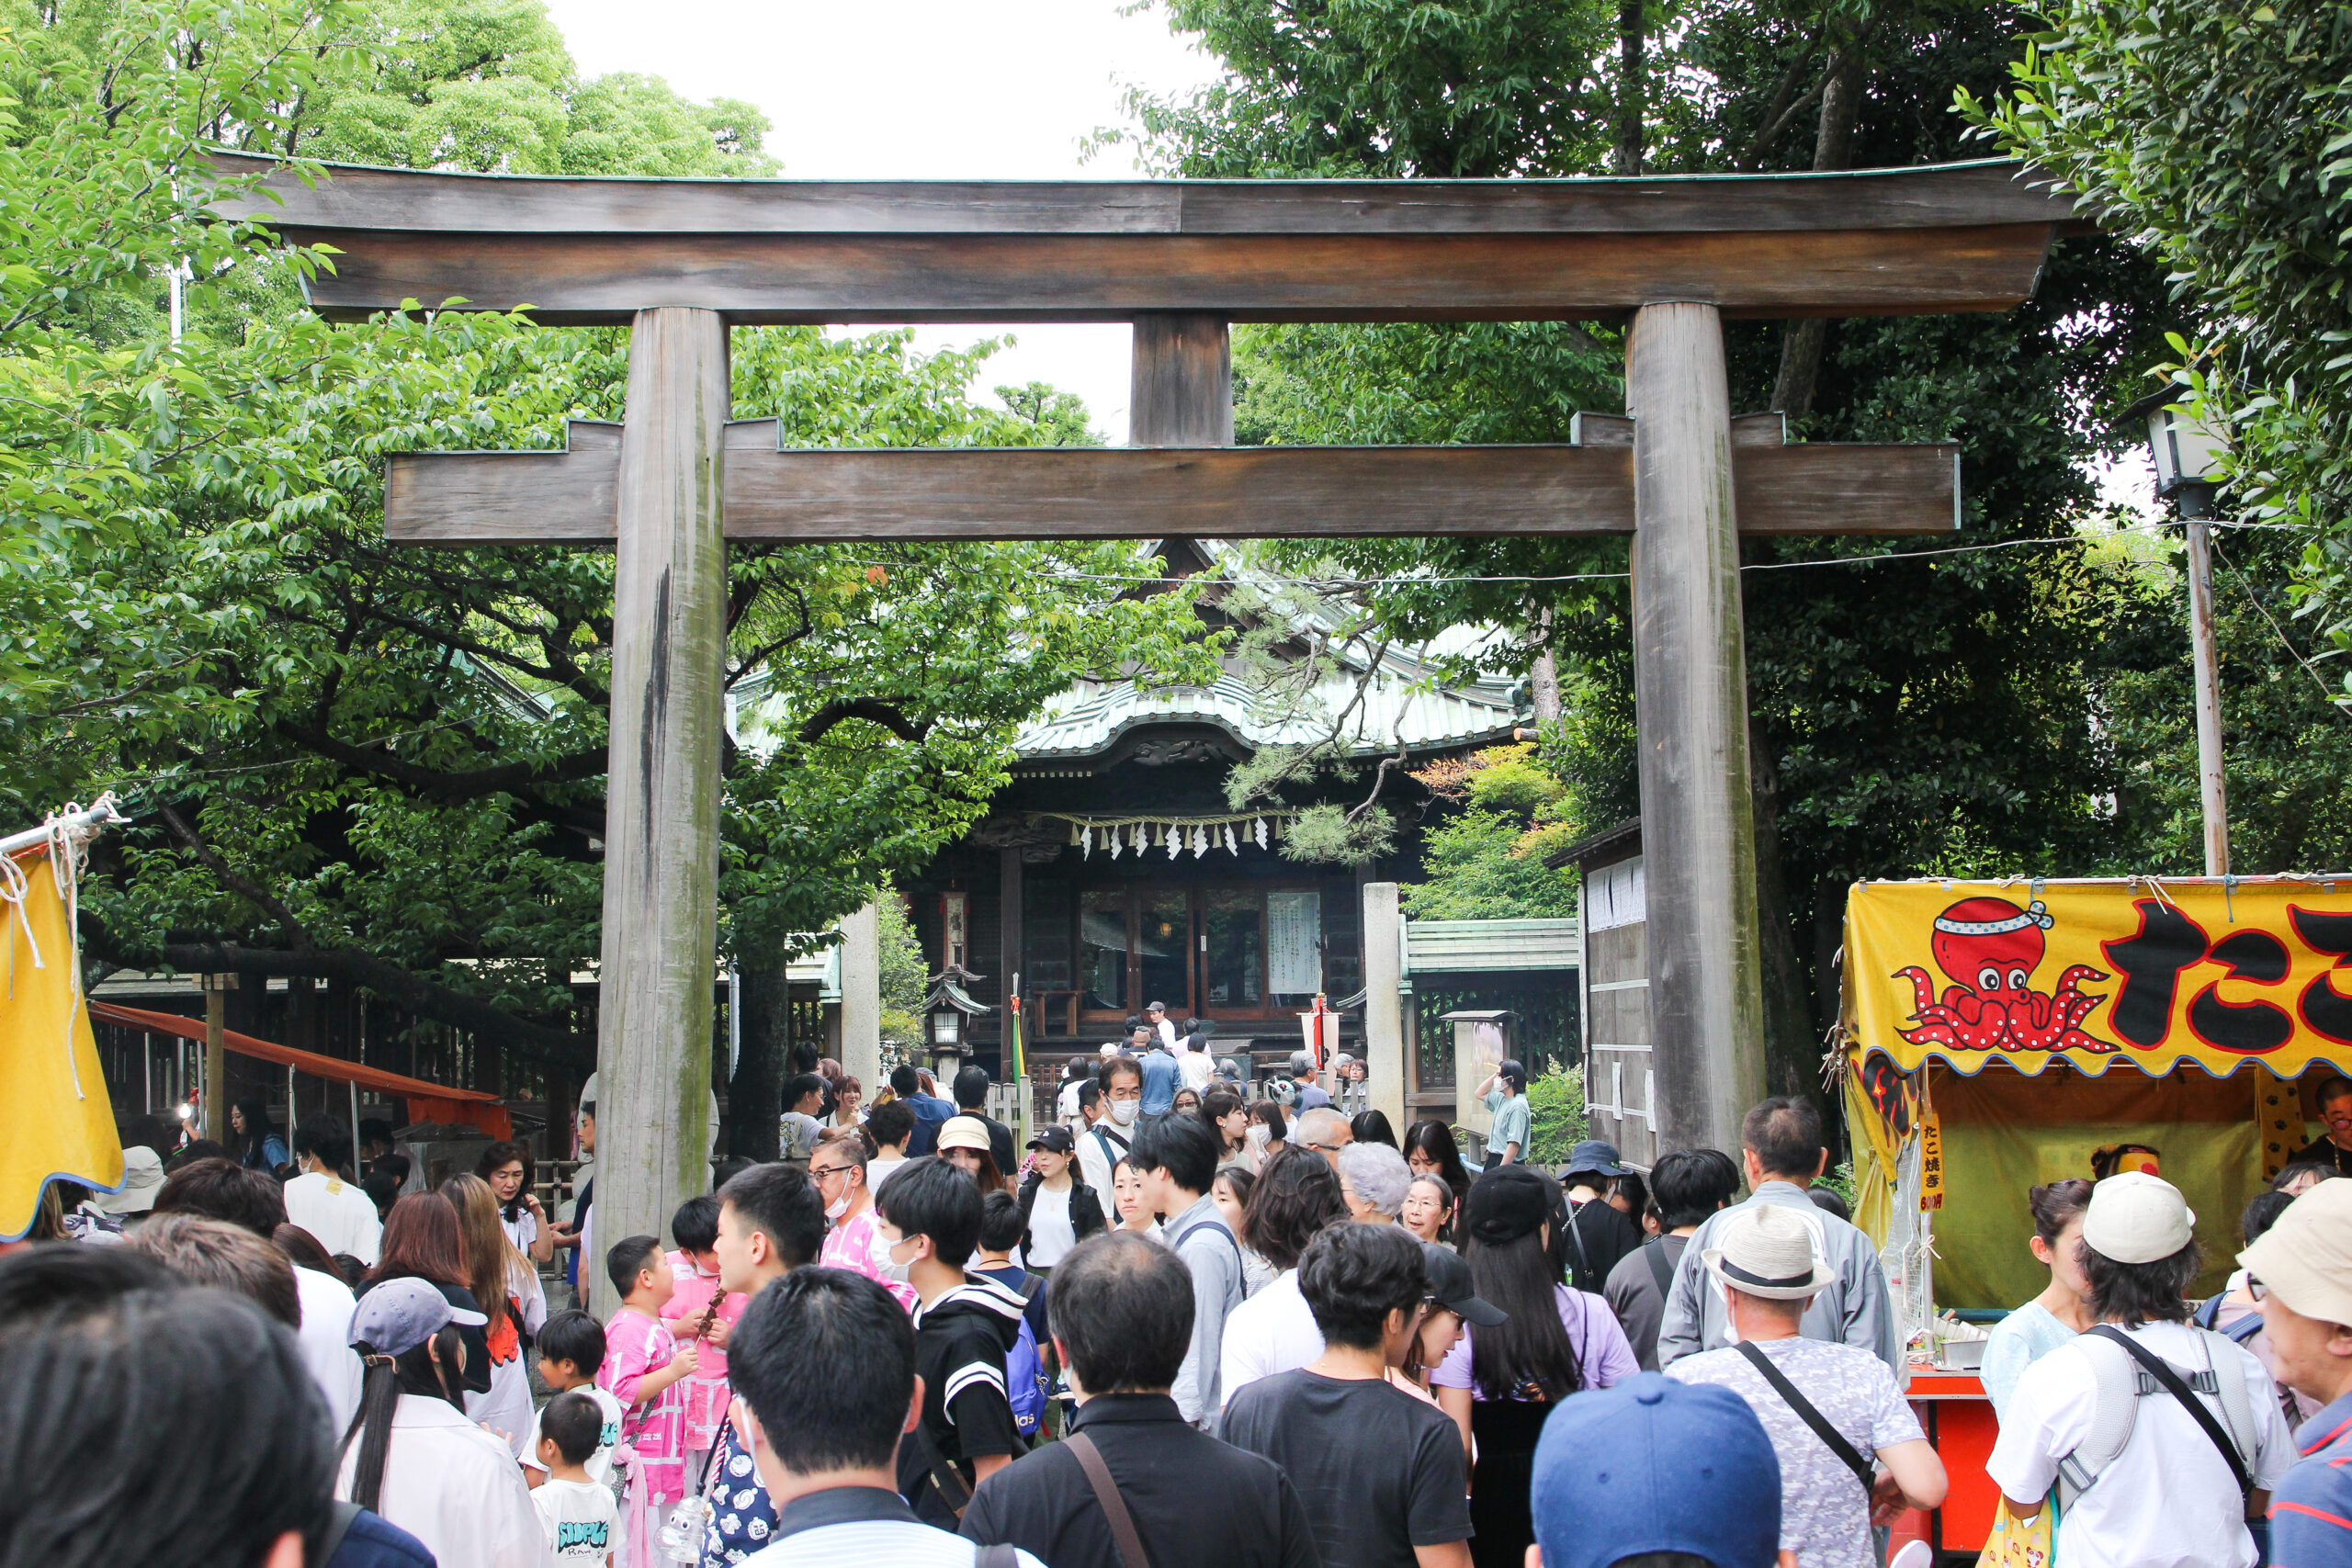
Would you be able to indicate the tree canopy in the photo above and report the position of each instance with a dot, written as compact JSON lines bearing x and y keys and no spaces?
{"x":383,"y":767}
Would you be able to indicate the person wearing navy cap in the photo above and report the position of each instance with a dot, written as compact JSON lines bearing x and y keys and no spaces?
{"x":1654,"y":1470}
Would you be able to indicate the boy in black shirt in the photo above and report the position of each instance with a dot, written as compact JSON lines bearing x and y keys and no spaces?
{"x":1381,"y":1475}
{"x":931,"y":1216}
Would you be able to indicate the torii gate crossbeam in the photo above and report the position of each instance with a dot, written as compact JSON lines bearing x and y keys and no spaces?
{"x":681,"y":260}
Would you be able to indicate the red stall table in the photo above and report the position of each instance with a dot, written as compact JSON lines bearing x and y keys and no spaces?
{"x":1959,"y":1419}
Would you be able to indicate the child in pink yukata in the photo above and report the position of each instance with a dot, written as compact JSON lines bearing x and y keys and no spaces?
{"x":643,"y":1365}
{"x":697,"y":1313}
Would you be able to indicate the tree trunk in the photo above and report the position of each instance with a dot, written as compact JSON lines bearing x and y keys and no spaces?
{"x":1544,"y":679}
{"x":1790,"y":1052}
{"x":1802,"y":341}
{"x":1632,"y":98}
{"x":755,"y":1094}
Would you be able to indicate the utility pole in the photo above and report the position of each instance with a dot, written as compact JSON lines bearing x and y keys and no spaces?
{"x":2188,"y":454}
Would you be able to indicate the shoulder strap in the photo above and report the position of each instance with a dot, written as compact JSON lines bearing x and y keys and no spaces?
{"x":1199,"y":1225}
{"x":1106,"y":1493}
{"x":1660,"y":1269}
{"x":2156,"y":1367}
{"x":338,"y":1525}
{"x":1864,"y":1472}
{"x":943,"y":1475}
{"x":1030,"y":1285}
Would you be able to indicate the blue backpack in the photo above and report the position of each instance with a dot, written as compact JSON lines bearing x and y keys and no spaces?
{"x":1024,"y":1374}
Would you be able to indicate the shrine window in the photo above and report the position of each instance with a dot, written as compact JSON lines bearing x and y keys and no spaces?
{"x":1218,"y":952}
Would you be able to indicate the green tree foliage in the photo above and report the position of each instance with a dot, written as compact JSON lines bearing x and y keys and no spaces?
{"x":1556,"y":1115}
{"x":2216,"y":134}
{"x":384,"y":767}
{"x":1929,"y":714}
{"x":1486,"y":862}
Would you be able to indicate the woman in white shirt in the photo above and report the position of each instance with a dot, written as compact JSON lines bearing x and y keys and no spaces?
{"x":413,"y":1457}
{"x":508,"y":1167}
{"x":1057,"y":1211}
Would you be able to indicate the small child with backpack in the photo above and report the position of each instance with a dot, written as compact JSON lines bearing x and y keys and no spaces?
{"x":1024,"y":1371}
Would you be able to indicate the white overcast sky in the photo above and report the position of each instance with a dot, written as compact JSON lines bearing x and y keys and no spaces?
{"x":915,"y":89}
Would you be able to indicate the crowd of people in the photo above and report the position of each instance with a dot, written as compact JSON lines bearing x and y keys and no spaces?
{"x":1163,"y":1334}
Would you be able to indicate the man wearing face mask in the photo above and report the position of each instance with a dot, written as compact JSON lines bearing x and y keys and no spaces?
{"x":1105,"y":1143}
{"x":771,"y":1221}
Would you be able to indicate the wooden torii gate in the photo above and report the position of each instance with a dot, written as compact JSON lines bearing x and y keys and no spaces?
{"x":679,"y":261}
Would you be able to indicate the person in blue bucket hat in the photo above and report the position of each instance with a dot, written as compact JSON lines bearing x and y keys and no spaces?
{"x":1653,"y":1470}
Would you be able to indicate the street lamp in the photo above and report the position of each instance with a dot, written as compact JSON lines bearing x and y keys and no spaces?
{"x":2189,"y":455}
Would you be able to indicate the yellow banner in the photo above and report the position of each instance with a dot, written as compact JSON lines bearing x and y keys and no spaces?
{"x":55,"y":1120}
{"x":2097,"y":973}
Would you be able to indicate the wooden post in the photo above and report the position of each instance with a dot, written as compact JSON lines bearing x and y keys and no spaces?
{"x":1384,"y":1003}
{"x":862,"y":998}
{"x":2212,"y":787}
{"x":1706,"y":996}
{"x":662,"y":802}
{"x":1181,"y":391}
{"x":216,"y":1059}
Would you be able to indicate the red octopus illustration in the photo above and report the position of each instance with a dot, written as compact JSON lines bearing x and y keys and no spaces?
{"x":1992,"y":948}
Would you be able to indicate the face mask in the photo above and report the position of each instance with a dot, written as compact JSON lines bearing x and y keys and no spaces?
{"x":838,"y":1207}
{"x":1124,"y":1112}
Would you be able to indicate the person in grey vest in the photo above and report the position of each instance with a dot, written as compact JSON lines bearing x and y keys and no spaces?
{"x":1782,"y":1149}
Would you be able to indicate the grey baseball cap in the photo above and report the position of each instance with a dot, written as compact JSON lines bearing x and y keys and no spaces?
{"x":399,"y":1314}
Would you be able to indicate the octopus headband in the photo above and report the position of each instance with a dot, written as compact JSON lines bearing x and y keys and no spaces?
{"x":2036,"y":914}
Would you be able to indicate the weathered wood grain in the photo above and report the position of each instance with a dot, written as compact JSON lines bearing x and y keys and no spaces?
{"x":1942,"y":196}
{"x":1180,"y":389}
{"x":458,"y":499}
{"x":602,"y":278}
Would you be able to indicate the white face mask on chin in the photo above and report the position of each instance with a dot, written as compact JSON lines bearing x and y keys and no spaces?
{"x":838,"y":1207}
{"x":1124,"y":1112}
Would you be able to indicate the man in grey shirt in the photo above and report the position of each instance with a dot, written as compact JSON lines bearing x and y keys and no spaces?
{"x":1686,"y":1186}
{"x":1782,"y":1147}
{"x":1177,"y":1159}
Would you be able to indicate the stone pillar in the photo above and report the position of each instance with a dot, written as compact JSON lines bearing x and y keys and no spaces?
{"x":1706,"y":995}
{"x":1384,"y":1003}
{"x":653,"y":1037}
{"x":862,"y":998}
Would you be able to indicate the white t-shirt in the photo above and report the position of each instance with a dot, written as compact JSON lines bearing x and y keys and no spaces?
{"x":878,"y":1169}
{"x":581,"y":1519}
{"x":336,"y":1212}
{"x":1197,"y":1067}
{"x":600,"y":1463}
{"x":1051,"y":1235}
{"x":1094,"y":1165}
{"x":522,"y":1230}
{"x":875,"y":1543}
{"x":1271,"y":1332}
{"x":454,"y":1487}
{"x":325,"y":1341}
{"x":1067,"y":1101}
{"x":2168,"y":1500}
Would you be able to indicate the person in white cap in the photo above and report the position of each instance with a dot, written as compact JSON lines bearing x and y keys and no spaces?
{"x":2301,"y":1269}
{"x":2163,"y":1439}
{"x":414,"y":1457}
{"x":1833,"y":1411}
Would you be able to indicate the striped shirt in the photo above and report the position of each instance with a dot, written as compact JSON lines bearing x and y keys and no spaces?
{"x":2310,"y":1514}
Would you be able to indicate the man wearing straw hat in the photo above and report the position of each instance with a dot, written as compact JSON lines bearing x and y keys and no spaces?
{"x":1830,"y":1409}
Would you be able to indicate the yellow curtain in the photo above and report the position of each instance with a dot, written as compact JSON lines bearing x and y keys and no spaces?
{"x":55,"y":1120}
{"x":2005,"y":1133}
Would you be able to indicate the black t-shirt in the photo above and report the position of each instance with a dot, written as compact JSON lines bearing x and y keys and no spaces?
{"x":2327,"y":1154}
{"x":960,"y":1344}
{"x":1379,"y":1472}
{"x":1605,"y":1237}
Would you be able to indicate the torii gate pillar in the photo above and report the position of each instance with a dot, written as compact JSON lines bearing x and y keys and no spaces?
{"x":653,"y":1023}
{"x":1706,"y":995}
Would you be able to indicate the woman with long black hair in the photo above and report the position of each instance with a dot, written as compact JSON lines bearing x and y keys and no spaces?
{"x":1499,"y":1383}
{"x":1429,"y":1150}
{"x":250,"y":1140}
{"x":412,"y":1456}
